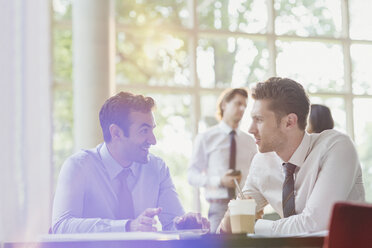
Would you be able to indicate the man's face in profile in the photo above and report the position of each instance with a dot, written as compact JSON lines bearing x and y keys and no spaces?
{"x":141,"y":136}
{"x":265,"y":127}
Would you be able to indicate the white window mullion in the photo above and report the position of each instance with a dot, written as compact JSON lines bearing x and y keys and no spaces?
{"x":195,"y":103}
{"x":347,"y":69}
{"x":271,"y":37}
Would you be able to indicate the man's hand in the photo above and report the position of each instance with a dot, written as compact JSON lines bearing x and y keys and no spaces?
{"x":225,"y":226}
{"x":145,"y":221}
{"x":227,"y":180}
{"x":259,"y":214}
{"x":191,"y":221}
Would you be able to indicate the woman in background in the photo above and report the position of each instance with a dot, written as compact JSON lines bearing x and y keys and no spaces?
{"x":320,"y":119}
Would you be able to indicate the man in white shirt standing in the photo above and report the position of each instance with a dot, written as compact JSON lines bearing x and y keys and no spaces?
{"x":221,"y":154}
{"x":300,"y":175}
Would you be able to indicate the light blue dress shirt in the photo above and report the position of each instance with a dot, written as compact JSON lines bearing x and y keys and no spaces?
{"x":86,"y":194}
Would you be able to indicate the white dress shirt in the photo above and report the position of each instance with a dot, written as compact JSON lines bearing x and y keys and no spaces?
{"x":210,"y":159}
{"x":328,"y":170}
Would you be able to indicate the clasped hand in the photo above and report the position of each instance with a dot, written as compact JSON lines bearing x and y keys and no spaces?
{"x":227,"y":180}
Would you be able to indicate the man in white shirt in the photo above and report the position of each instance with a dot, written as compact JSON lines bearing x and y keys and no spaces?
{"x":221,"y":154}
{"x":300,"y":175}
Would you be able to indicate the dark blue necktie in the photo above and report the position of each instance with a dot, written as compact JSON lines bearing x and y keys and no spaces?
{"x":125,"y":207}
{"x":232,"y":161}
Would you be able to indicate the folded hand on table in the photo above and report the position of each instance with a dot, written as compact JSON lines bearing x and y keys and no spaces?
{"x":191,"y":221}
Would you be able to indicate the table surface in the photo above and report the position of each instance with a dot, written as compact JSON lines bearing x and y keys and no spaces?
{"x":209,"y":240}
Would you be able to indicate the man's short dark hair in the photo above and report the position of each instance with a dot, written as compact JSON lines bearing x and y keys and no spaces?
{"x":116,"y":110}
{"x":286,"y":96}
{"x":226,"y":96}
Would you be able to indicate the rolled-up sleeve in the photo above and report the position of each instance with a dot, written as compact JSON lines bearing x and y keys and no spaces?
{"x":251,"y":187}
{"x":197,"y":171}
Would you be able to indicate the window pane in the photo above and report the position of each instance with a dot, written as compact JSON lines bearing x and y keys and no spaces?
{"x":208,"y":104}
{"x":360,"y":19}
{"x":231,"y":62}
{"x":62,"y":10}
{"x":153,"y":59}
{"x":62,"y":55}
{"x":317,"y":66}
{"x":152,"y":12}
{"x":308,"y":18}
{"x":63,"y":141}
{"x":363,"y":139}
{"x":337,"y":107}
{"x":233,"y":15}
{"x":362,"y":74}
{"x":174,"y":139}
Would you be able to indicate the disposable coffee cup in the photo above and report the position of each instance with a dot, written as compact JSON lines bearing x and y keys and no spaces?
{"x":242,"y":215}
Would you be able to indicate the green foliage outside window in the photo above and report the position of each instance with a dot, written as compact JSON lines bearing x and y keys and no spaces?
{"x":153,"y":42}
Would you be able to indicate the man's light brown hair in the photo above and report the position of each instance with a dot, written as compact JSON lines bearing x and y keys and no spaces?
{"x":226,"y":96}
{"x":286,"y":96}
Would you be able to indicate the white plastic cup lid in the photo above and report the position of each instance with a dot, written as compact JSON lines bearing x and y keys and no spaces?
{"x":242,"y":207}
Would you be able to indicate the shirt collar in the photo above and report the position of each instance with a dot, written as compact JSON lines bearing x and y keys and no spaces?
{"x":112,"y":167}
{"x":226,"y":128}
{"x":299,"y":156}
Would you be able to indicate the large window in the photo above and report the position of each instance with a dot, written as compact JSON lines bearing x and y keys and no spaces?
{"x":185,"y":52}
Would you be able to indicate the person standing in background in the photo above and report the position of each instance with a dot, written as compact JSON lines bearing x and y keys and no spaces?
{"x":221,"y":154}
{"x":320,"y":119}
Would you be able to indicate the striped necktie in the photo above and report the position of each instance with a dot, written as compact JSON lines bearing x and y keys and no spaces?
{"x":288,"y":197}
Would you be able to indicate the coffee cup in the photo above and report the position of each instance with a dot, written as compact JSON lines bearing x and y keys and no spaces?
{"x":242,"y":215}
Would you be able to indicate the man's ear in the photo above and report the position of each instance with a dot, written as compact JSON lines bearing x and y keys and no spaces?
{"x":291,"y":120}
{"x":116,"y":132}
{"x":223,"y":105}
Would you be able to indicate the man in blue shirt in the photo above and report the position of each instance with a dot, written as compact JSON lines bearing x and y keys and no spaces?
{"x":119,"y":186}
